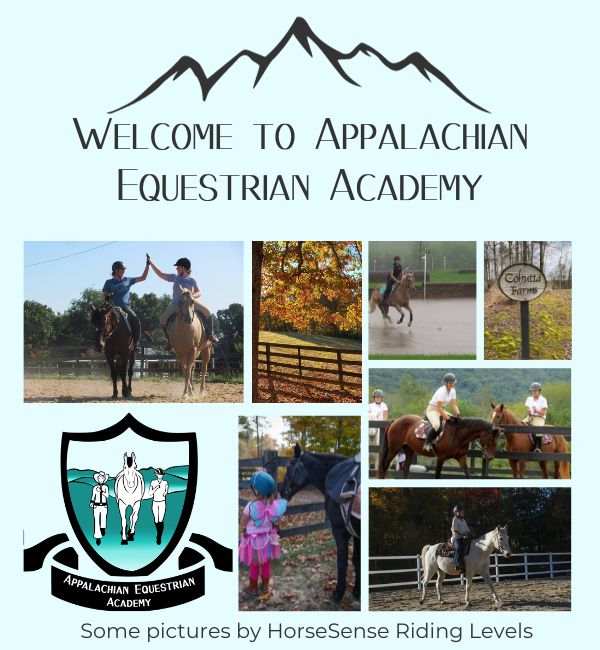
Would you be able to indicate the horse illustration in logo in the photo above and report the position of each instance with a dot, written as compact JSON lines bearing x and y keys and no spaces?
{"x":129,"y":491}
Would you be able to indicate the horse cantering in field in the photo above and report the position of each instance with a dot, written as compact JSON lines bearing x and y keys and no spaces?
{"x":400,"y":435}
{"x":521,"y":442}
{"x":477,"y":562}
{"x":398,"y":298}
{"x":116,"y":341}
{"x":312,"y":468}
{"x":129,"y":490}
{"x":189,"y":339}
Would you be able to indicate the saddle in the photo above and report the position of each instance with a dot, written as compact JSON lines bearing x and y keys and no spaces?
{"x":122,"y":315}
{"x":424,"y":427}
{"x":343,"y":480}
{"x":447,"y":549}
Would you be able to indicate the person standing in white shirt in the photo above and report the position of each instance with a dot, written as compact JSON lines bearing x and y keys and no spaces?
{"x":159,"y":489}
{"x":378,"y":410}
{"x":537,"y":407}
{"x":436,"y":410}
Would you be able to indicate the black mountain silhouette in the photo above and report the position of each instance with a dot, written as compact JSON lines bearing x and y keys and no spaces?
{"x":301,"y":31}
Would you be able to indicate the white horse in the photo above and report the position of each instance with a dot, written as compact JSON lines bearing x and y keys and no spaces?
{"x":477,"y":562}
{"x":188,"y":340}
{"x":129,"y":490}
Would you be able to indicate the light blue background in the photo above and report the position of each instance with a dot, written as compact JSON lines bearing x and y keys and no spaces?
{"x":526,"y":62}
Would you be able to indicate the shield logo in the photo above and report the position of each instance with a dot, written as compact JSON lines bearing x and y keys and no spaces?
{"x":129,"y":492}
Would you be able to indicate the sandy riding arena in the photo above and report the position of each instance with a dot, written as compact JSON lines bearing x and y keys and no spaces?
{"x":516,"y":595}
{"x":100,"y":390}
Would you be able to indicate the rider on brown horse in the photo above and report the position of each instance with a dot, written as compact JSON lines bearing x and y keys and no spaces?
{"x":537,"y":407}
{"x":436,"y":413}
{"x":117,"y":291}
{"x":393,"y":278}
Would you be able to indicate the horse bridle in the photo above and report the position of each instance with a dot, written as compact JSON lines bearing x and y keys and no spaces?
{"x":193,"y":310}
{"x":498,"y":544}
{"x":106,"y":319}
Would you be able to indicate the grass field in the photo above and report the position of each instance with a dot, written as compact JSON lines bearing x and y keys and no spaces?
{"x":438,"y":276}
{"x":550,"y":326}
{"x":301,"y":338}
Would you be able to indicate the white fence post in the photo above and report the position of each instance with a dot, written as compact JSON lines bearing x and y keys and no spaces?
{"x":496,"y":567}
{"x":526,"y":566}
{"x":418,"y":571}
{"x":551,"y":566}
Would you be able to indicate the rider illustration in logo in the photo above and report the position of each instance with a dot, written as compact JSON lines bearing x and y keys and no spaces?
{"x":131,"y":535}
{"x":99,"y":503}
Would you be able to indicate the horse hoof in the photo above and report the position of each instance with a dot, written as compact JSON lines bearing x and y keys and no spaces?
{"x":421,"y":602}
{"x":123,"y":542}
{"x":115,"y":396}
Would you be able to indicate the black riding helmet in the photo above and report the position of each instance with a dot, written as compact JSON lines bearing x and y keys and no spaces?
{"x":118,"y":265}
{"x":183,"y":261}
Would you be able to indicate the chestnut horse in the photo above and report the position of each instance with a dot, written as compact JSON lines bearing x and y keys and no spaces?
{"x":521,"y":442}
{"x":398,"y":298}
{"x":458,"y":435}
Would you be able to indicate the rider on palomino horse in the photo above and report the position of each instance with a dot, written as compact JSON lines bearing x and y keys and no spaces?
{"x":435,"y":412}
{"x":537,"y":407}
{"x":460,"y":532}
{"x":393,"y":278}
{"x":184,"y":280}
{"x":117,"y":291}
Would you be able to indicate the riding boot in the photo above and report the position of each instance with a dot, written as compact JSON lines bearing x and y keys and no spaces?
{"x":103,"y":531}
{"x":160,"y":526}
{"x":168,"y":347}
{"x":252,"y":587}
{"x":431,"y":436}
{"x":537,"y":444}
{"x":209,"y":327}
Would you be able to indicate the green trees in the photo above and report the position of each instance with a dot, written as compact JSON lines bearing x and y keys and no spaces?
{"x":40,"y":324}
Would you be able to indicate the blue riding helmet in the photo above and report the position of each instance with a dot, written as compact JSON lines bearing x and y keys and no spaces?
{"x":263,"y":484}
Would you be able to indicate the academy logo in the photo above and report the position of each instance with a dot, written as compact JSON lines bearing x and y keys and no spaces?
{"x":129,"y":492}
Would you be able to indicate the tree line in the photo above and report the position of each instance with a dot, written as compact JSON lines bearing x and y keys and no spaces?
{"x":456,"y":255}
{"x":553,"y":258}
{"x":409,"y":391}
{"x":46,"y":328}
{"x":403,"y":520}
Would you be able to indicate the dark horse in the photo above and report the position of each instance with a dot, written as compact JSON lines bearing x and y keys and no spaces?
{"x":458,"y":435}
{"x":311,"y":468}
{"x":114,"y":338}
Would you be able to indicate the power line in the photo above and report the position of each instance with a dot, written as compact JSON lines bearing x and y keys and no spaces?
{"x":56,"y":259}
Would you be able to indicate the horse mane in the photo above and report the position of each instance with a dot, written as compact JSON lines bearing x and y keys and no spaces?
{"x":328,"y":459}
{"x":472,"y":422}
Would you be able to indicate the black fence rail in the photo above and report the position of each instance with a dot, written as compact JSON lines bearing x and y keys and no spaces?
{"x":271,"y":462}
{"x":486,"y":469}
{"x":81,"y":361}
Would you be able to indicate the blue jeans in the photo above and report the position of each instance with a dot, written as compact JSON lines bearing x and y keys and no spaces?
{"x":458,"y":551}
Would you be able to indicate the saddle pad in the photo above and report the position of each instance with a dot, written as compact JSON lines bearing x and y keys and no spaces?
{"x":546,"y":439}
{"x":337,"y":477}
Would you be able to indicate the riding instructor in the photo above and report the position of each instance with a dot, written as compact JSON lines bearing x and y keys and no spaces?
{"x":436,"y":412}
{"x":116,"y":290}
{"x":537,"y":407}
{"x":183,"y":279}
{"x":393,"y":278}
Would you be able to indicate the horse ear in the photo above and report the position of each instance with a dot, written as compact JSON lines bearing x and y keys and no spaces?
{"x":297,"y":450}
{"x":493,"y":405}
{"x":501,"y":407}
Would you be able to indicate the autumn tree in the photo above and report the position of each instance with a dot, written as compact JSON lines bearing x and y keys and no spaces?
{"x":326,"y":434}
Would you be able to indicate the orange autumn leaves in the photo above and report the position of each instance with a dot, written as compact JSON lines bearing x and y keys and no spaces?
{"x":308,"y":284}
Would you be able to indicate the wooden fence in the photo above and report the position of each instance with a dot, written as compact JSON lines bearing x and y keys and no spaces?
{"x":271,"y":461}
{"x":487,"y":470}
{"x":78,"y":361}
{"x":328,"y":368}
{"x":533,"y":565}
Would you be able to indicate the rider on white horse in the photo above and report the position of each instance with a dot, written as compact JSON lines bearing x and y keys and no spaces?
{"x":444,"y":395}
{"x":460,"y":531}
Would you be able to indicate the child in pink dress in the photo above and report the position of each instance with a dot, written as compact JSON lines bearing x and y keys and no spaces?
{"x":259,"y":543}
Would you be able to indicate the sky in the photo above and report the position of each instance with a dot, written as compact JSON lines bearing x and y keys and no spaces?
{"x":57,"y":272}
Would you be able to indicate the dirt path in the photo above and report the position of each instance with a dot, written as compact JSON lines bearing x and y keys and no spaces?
{"x":517,"y":595}
{"x":100,"y":390}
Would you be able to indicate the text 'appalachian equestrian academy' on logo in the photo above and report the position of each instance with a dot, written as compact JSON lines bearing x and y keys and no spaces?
{"x":300,"y":31}
{"x":129,"y":492}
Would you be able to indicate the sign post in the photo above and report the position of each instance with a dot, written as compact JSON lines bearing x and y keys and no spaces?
{"x":523,"y":282}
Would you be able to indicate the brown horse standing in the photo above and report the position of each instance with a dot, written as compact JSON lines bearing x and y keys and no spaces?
{"x":521,"y":442}
{"x":398,"y":298}
{"x":458,"y":435}
{"x":115,"y":340}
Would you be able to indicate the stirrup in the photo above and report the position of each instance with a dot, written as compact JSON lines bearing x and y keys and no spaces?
{"x":349,"y":489}
{"x":537,"y":450}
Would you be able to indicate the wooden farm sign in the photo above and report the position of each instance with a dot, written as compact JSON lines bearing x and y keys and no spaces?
{"x":522,"y":282}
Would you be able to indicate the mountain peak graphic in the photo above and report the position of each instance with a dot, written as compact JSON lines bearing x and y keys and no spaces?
{"x":302,"y":32}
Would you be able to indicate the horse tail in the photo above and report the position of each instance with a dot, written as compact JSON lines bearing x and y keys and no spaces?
{"x":424,"y":551}
{"x":383,"y":452}
{"x":374,"y":300}
{"x":563,"y":465}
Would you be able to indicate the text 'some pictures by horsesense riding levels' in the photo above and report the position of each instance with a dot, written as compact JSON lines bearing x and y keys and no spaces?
{"x":256,"y":255}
